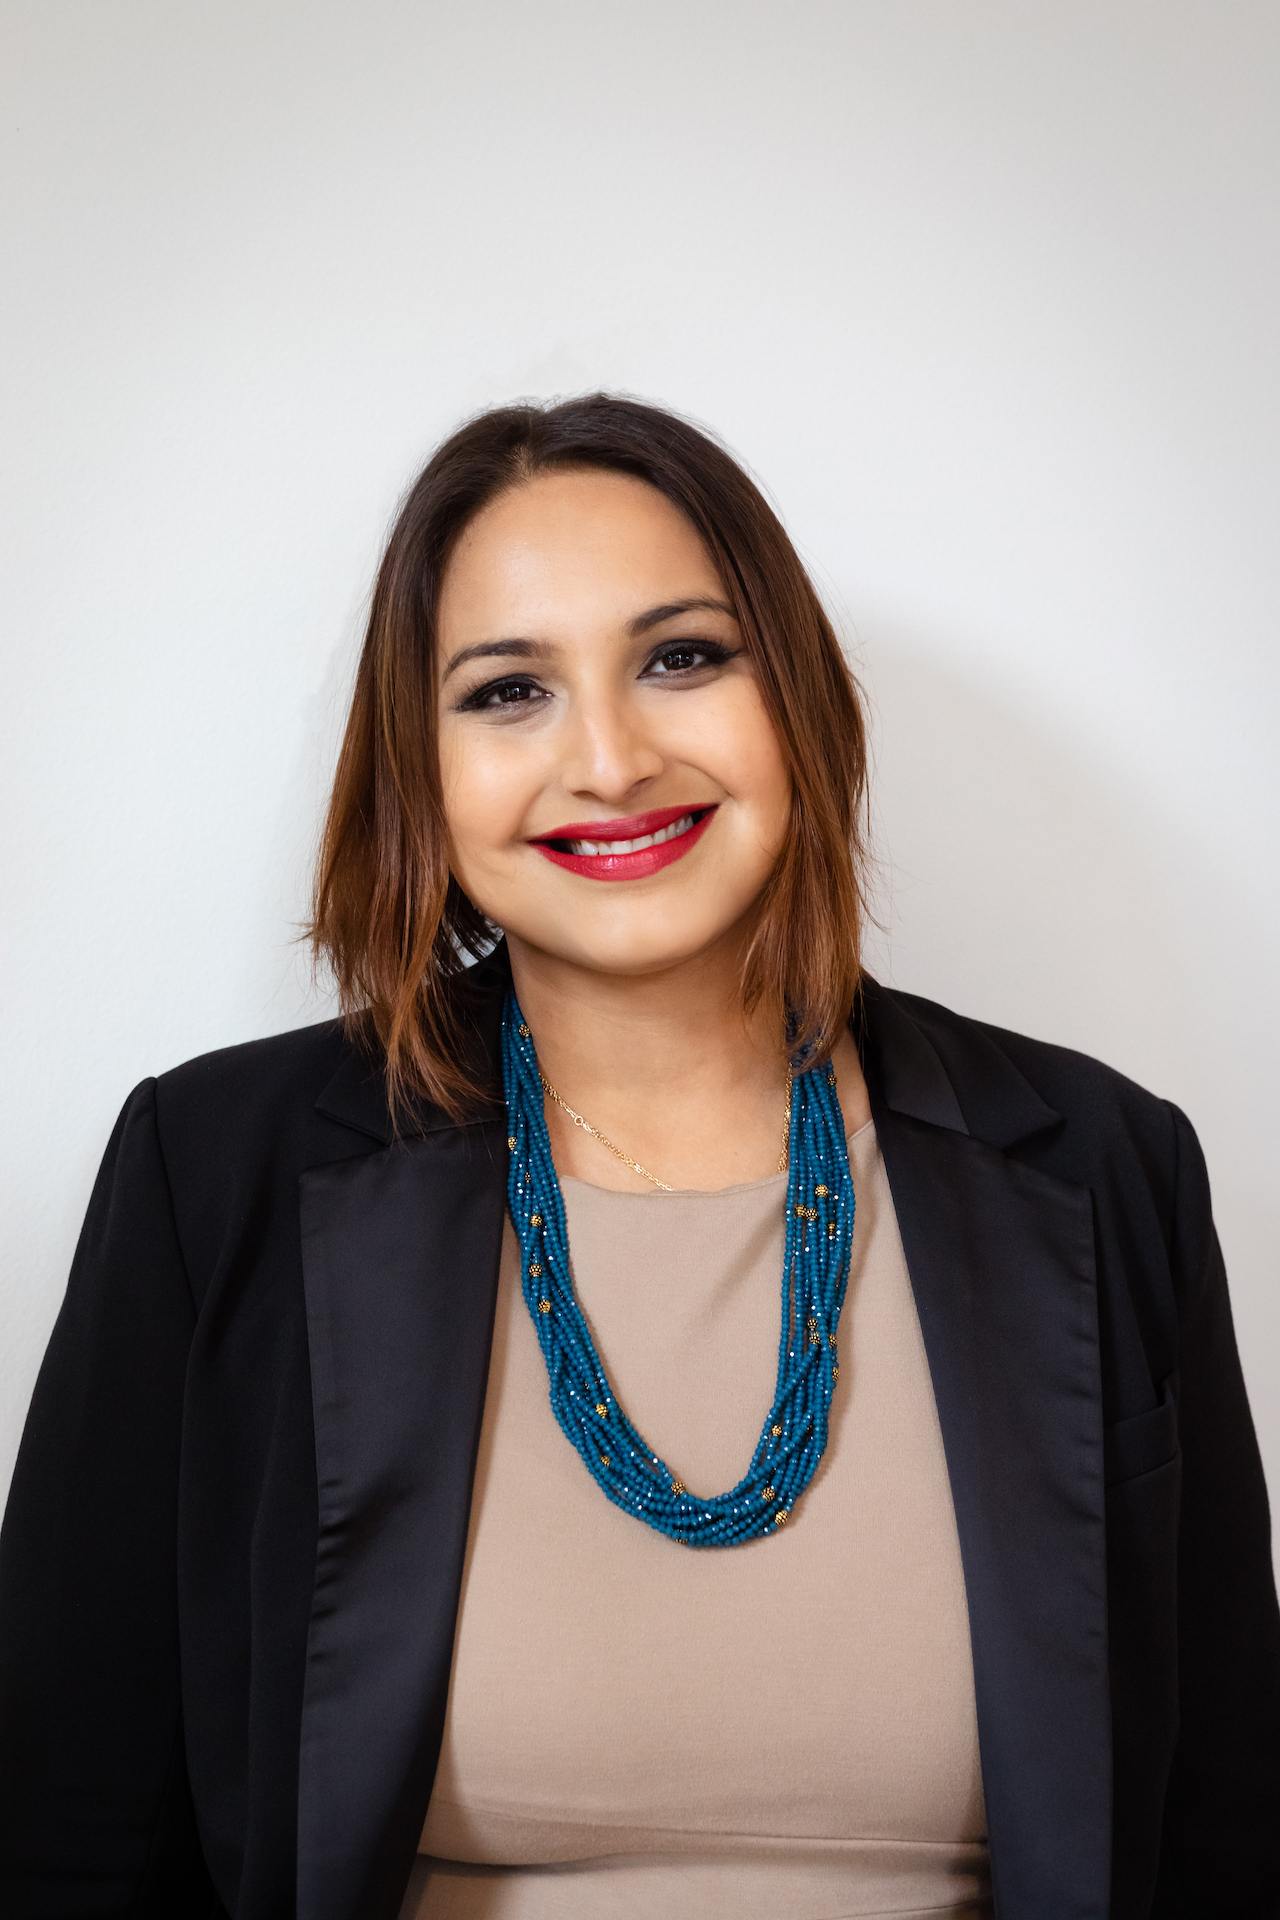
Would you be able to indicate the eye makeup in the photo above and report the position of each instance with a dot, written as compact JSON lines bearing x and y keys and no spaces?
{"x":517,"y":690}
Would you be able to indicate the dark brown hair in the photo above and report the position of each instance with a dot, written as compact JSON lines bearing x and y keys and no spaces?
{"x":388,"y":915}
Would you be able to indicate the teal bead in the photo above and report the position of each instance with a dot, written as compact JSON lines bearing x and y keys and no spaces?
{"x":815,"y":1272}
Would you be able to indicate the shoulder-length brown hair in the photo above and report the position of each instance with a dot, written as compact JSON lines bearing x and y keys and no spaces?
{"x":388,"y":915}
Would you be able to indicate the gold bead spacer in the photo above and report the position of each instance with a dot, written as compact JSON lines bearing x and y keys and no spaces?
{"x":511,"y":1143}
{"x":821,"y":1192}
{"x":677,"y":1486}
{"x":536,"y":1269}
{"x":832,"y":1229}
{"x":544,"y":1306}
{"x":523,"y":1031}
{"x":601,"y":1408}
{"x":604,"y":1460}
{"x":535,"y":1219}
{"x":780,"y":1519}
{"x":835,"y":1374}
{"x":776,"y":1432}
{"x":770,"y":1493}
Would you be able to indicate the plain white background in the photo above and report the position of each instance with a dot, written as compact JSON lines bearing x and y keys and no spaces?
{"x":987,"y":295}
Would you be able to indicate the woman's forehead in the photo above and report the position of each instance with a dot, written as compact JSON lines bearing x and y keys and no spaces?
{"x":603,"y":543}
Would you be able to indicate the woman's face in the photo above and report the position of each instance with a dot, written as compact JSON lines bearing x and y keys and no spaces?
{"x":613,"y":786}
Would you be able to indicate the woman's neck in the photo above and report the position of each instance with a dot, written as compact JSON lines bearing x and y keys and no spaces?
{"x":666,"y":1066}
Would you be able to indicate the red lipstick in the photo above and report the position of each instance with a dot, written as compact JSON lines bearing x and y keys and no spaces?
{"x":633,"y":863}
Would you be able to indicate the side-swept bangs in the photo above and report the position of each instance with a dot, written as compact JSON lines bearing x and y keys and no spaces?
{"x":388,"y":915}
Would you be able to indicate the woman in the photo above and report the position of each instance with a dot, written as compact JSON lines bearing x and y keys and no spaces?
{"x":650,"y":1421}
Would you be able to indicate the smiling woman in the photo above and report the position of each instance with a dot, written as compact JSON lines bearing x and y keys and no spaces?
{"x":588,"y":625}
{"x":621,"y":701}
{"x":636,"y":1417}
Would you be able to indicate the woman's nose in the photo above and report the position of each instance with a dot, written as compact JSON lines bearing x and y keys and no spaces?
{"x":608,"y":749}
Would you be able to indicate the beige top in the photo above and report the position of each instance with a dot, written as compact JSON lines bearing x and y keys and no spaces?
{"x":784,"y":1728}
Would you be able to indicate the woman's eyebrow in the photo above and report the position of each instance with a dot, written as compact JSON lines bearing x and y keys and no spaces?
{"x":493,"y":649}
{"x":656,"y":615}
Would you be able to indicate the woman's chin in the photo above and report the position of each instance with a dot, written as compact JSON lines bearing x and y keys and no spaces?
{"x":621,"y":945}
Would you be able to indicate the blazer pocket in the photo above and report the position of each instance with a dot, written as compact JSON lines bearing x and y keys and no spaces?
{"x":1139,"y":1445}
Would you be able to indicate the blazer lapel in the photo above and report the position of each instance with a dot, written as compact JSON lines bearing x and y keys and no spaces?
{"x":400,"y":1261}
{"x":1001,"y":1259}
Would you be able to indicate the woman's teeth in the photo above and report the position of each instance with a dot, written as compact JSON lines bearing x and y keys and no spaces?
{"x":677,"y":827}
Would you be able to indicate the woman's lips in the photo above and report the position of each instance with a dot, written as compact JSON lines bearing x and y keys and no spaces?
{"x":628,"y":849}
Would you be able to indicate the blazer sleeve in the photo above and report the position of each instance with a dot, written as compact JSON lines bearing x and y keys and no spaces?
{"x":1222,"y":1808}
{"x":95,"y":1811}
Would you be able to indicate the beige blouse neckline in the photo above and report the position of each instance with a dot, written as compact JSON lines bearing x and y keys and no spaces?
{"x":762,"y":1185}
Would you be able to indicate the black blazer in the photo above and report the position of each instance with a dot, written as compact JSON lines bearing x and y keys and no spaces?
{"x":230,"y":1567}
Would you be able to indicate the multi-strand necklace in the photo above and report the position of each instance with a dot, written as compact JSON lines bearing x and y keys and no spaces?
{"x":815,"y":1272}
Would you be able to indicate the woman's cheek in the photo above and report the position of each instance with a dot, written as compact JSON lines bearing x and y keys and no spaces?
{"x":738,"y":748}
{"x":482,"y":799}
{"x":476,"y":829}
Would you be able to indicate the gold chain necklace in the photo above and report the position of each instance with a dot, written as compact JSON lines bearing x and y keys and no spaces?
{"x":634,"y":1165}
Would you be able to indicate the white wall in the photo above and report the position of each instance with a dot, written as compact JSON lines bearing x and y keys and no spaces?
{"x":987,"y":294}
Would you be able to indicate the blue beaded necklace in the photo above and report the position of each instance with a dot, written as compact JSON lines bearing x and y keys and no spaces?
{"x":815,"y":1272}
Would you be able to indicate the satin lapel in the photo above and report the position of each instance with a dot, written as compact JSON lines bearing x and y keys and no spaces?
{"x":400,"y":1257}
{"x":1002,"y":1263}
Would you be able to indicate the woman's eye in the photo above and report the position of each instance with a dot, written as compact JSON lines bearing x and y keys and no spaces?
{"x":687,"y":656}
{"x":499,"y":694}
